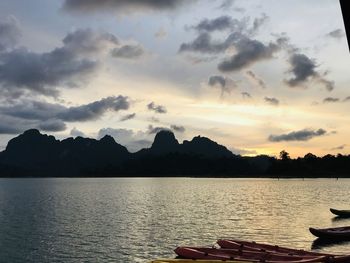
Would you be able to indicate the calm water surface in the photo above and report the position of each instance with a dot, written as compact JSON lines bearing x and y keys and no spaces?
{"x":135,"y":220}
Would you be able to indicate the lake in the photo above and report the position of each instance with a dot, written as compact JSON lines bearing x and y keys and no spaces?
{"x":139,"y":219}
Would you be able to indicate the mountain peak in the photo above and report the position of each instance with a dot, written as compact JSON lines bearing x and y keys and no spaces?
{"x":165,"y":141}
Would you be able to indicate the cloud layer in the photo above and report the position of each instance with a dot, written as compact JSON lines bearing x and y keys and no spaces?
{"x":302,"y":135}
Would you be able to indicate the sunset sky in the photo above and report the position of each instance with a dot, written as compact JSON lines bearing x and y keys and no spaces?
{"x":257,"y":76}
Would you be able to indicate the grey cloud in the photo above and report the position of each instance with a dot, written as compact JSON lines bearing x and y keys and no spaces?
{"x":330,"y":100}
{"x":248,"y":52}
{"x":9,"y":32}
{"x":121,"y":5}
{"x":128,"y":117}
{"x":347,"y":98}
{"x":10,"y":125}
{"x":246,"y":95}
{"x":259,"y":22}
{"x":156,"y":108}
{"x":304,"y":69}
{"x":52,"y":126}
{"x":177,"y":128}
{"x":337,"y":33}
{"x":43,"y":111}
{"x":219,"y":24}
{"x":76,"y":133}
{"x":256,"y":79}
{"x":134,"y":141}
{"x":128,"y":51}
{"x":272,"y":101}
{"x":203,"y":44}
{"x":302,"y":135}
{"x":224,"y":83}
{"x":95,"y":110}
{"x":341,"y":147}
{"x":153,"y":130}
{"x":22,"y":70}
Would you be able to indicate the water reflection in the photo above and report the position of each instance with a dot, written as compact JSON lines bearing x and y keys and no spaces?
{"x":134,"y":220}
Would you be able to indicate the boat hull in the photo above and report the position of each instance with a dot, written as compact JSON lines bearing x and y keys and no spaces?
{"x":340,"y":213}
{"x":338,"y":233}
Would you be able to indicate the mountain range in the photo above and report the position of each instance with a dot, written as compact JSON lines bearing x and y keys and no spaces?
{"x":33,"y":154}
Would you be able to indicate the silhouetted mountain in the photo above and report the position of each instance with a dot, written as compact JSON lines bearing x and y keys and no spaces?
{"x":36,"y":154}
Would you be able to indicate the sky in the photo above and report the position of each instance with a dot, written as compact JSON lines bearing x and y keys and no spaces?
{"x":257,"y":76}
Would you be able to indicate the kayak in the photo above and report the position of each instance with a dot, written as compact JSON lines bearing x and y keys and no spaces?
{"x":253,"y":246}
{"x":243,"y":256}
{"x":336,"y":233}
{"x":194,"y":261}
{"x":341,"y":213}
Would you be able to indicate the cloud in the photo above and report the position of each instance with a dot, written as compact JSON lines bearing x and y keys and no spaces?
{"x":52,"y":126}
{"x":256,"y":79}
{"x":219,"y":24}
{"x":76,"y":133}
{"x":9,"y":32}
{"x":177,"y":128}
{"x":246,"y":95}
{"x":156,"y":108}
{"x":23,"y":70}
{"x":204,"y":44}
{"x":272,"y":101}
{"x":347,"y":99}
{"x":134,"y":141}
{"x":224,"y":83}
{"x":330,"y":100}
{"x":337,"y":34}
{"x":302,"y":135}
{"x":161,"y":33}
{"x":303,"y":68}
{"x":341,"y":147}
{"x":249,"y":51}
{"x":120,"y":6}
{"x":128,"y":117}
{"x":128,"y":52}
{"x":259,"y":22}
{"x":153,"y":130}
{"x":25,"y":114}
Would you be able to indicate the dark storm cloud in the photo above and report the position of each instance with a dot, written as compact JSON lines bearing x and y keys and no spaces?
{"x":330,"y":100}
{"x":128,"y":117}
{"x":177,"y":128}
{"x":224,"y":83}
{"x":9,"y":32}
{"x":303,"y":68}
{"x":156,"y":108}
{"x":256,"y":79}
{"x":23,"y":70}
{"x":338,"y":33}
{"x":303,"y":135}
{"x":249,"y":51}
{"x":121,"y":5}
{"x":272,"y":101}
{"x":128,"y":51}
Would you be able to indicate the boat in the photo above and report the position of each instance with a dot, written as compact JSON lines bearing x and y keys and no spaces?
{"x":253,"y":246}
{"x":244,"y":256}
{"x":335,"y":233}
{"x":341,"y":213}
{"x":194,"y":261}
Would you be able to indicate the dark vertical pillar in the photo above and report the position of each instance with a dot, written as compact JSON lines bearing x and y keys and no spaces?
{"x":346,"y":17}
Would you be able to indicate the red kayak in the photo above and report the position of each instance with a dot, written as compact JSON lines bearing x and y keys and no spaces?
{"x":253,"y":246}
{"x":336,"y":233}
{"x":244,"y":256}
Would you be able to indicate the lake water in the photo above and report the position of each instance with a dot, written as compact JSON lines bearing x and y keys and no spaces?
{"x":136,"y":220}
